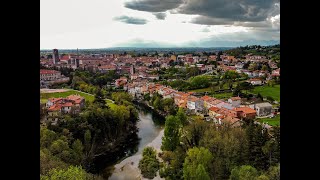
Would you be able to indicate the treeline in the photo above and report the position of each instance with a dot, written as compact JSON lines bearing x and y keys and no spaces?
{"x":272,"y":52}
{"x":97,"y":136}
{"x":93,"y":82}
{"x":199,"y":150}
{"x":216,"y":82}
{"x":160,"y":104}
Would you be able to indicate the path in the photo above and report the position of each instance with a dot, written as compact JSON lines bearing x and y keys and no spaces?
{"x":90,"y":94}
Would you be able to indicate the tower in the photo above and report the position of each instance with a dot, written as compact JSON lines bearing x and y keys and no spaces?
{"x":132,"y":70}
{"x":55,"y":56}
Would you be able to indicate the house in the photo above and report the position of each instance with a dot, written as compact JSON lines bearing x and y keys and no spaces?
{"x":255,"y":81}
{"x":255,"y":73}
{"x":121,"y":81}
{"x":206,"y":101}
{"x":262,"y":73}
{"x":263,"y":109}
{"x":59,"y":106}
{"x":106,"y":68}
{"x":239,"y":65}
{"x":235,"y":101}
{"x":213,"y":112}
{"x":134,"y":76}
{"x":153,"y":76}
{"x":195,"y":104}
{"x":276,"y":72}
{"x":245,"y":112}
{"x":49,"y":75}
{"x":232,"y":121}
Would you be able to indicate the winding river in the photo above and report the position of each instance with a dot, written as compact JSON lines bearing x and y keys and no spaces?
{"x":150,"y":133}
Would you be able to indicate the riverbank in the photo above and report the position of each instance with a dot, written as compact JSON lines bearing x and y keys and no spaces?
{"x":128,"y":168}
{"x":146,"y":104}
{"x":150,"y":133}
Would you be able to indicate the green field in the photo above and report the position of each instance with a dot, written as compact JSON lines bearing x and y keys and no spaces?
{"x":271,"y":121}
{"x":223,"y":95}
{"x":200,"y":90}
{"x":44,"y":96}
{"x":265,"y":91}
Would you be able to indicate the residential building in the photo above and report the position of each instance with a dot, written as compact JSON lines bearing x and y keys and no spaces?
{"x":245,"y":112}
{"x":195,"y":104}
{"x":263,"y":109}
{"x":255,"y":81}
{"x":235,"y":101}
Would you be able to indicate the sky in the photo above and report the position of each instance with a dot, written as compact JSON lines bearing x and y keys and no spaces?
{"x":83,"y":24}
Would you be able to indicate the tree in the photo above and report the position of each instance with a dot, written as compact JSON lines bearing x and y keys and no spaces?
{"x":196,"y":157}
{"x":257,"y":138}
{"x":230,"y":76}
{"x":181,"y":115}
{"x":73,"y":172}
{"x":168,"y":105}
{"x":245,"y":172}
{"x":87,"y":140}
{"x":58,"y":146}
{"x":245,"y":86}
{"x":264,"y":68}
{"x":77,"y":148}
{"x":201,"y":173}
{"x":149,"y":165}
{"x":99,"y":99}
{"x":157,"y":103}
{"x":262,"y":177}
{"x":193,"y":133}
{"x":274,"y":172}
{"x":170,"y":140}
{"x":46,"y":136}
{"x":259,"y":96}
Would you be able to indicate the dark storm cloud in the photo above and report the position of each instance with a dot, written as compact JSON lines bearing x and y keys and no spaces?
{"x":210,"y":21}
{"x":153,"y":5}
{"x":212,"y":12}
{"x":130,"y":20}
{"x":230,"y":10}
{"x":161,"y":16}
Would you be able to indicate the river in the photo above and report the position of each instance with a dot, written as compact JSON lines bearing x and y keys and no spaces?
{"x":150,"y":133}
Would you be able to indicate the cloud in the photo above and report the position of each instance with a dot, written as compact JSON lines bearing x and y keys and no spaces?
{"x":260,"y":14}
{"x":235,"y":39}
{"x":204,"y":20}
{"x":153,"y":5}
{"x":130,"y":20}
{"x":230,"y":10}
{"x":161,"y":16}
{"x":138,"y":42}
{"x":206,"y":29}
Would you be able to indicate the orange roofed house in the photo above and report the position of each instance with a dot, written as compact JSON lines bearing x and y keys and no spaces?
{"x":245,"y":112}
{"x":58,"y":106}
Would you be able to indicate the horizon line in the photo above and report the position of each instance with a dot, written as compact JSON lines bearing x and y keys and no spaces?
{"x":157,"y":47}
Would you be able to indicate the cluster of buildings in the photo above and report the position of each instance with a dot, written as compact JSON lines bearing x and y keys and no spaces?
{"x":70,"y":105}
{"x":48,"y":77}
{"x":220,"y":111}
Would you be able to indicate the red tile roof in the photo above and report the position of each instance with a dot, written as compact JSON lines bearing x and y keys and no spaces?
{"x":246,"y":110}
{"x":45,"y":71}
{"x":214,"y":109}
{"x":235,"y":98}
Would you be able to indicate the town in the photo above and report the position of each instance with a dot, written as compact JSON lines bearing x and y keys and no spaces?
{"x":96,"y":107}
{"x":143,"y":75}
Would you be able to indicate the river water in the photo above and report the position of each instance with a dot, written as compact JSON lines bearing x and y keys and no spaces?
{"x":150,"y":133}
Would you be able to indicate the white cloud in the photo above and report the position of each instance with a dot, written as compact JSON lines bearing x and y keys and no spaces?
{"x":91,"y":24}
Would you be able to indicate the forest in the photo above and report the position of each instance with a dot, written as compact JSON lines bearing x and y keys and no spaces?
{"x":198,"y":150}
{"x":84,"y":144}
